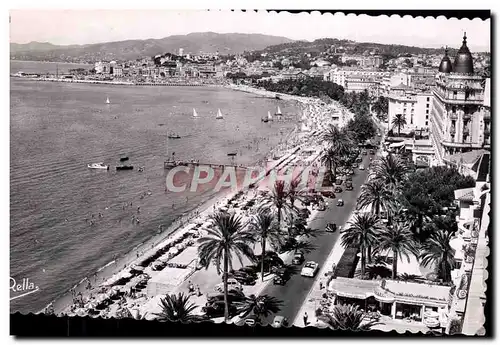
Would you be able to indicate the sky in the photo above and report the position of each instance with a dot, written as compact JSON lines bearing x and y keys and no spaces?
{"x":83,"y":26}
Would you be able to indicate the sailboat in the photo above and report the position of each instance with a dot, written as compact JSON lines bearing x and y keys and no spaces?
{"x":195,"y":114}
{"x":219,"y":115}
{"x":278,"y":113}
{"x":269,"y":117}
{"x":107,"y":100}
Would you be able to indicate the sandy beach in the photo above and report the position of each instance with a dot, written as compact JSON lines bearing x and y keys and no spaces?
{"x":135,"y":268}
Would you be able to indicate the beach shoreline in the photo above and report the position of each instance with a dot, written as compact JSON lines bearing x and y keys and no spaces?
{"x":152,"y":246}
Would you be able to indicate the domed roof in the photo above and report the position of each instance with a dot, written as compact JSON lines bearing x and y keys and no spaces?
{"x":463,"y":61}
{"x":445,"y":66}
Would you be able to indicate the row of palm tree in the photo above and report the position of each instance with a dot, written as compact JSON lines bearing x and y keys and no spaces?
{"x":383,"y":195}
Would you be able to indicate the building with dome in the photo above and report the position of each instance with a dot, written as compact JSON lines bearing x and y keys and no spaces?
{"x":458,"y":120}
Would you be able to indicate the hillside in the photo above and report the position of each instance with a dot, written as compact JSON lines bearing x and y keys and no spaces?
{"x":208,"y":42}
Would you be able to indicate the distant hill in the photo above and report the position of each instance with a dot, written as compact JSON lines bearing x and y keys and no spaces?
{"x":348,"y":47}
{"x":208,"y":42}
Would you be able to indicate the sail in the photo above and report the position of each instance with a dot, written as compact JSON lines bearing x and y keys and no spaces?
{"x":269,"y":117}
{"x":195,"y":114}
{"x":107,"y":100}
{"x":279,"y":111}
{"x":219,"y":115}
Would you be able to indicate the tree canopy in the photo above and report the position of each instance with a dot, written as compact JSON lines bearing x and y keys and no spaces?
{"x":362,"y":127}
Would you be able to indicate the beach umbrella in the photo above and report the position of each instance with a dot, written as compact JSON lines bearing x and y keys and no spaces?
{"x":81,"y":312}
{"x":173,"y":250}
{"x":90,"y":305}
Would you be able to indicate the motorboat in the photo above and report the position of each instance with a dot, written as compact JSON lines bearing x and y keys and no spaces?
{"x":98,"y":166}
{"x":174,"y":136}
{"x":124,"y":167}
{"x":124,"y":159}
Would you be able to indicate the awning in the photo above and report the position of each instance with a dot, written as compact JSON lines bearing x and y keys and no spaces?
{"x":396,"y":145}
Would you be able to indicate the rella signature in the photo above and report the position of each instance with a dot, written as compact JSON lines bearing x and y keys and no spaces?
{"x":24,"y":287}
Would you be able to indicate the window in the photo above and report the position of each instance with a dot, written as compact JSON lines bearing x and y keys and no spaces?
{"x":427,"y":105}
{"x":426,"y":123}
{"x":427,"y":117}
{"x":427,"y":111}
{"x":428,"y":99}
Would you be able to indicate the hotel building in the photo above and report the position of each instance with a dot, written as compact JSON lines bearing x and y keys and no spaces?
{"x":458,"y":110}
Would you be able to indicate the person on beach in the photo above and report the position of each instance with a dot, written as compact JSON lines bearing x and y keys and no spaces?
{"x":199,"y":290}
{"x":305,"y":319}
{"x":138,"y":209}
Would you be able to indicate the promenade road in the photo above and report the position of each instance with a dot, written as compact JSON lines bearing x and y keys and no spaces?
{"x":297,"y":288}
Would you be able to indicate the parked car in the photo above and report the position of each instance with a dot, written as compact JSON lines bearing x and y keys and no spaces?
{"x":328,"y":194}
{"x":310,"y":269}
{"x":351,"y":172}
{"x":340,"y":202}
{"x":331,"y":227}
{"x":338,"y":181}
{"x":364,"y":153}
{"x":217,"y":310}
{"x":372,"y":152}
{"x":252,"y":321}
{"x":361,"y":167}
{"x":348,"y":178}
{"x":321,"y":206}
{"x":279,"y":321}
{"x":354,"y":165}
{"x":338,"y":189}
{"x":281,"y":276}
{"x":298,"y":258}
{"x":232,"y":296}
{"x":232,"y":285}
{"x":244,"y":278}
{"x":359,"y":160}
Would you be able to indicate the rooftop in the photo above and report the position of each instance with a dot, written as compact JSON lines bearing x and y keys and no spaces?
{"x":465,"y":194}
{"x":467,"y":157}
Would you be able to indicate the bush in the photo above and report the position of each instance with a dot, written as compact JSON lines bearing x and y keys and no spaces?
{"x":318,"y":312}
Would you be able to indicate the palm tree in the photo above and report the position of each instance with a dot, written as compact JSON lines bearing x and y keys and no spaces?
{"x":361,"y":232}
{"x":391,"y":170}
{"x":377,"y":196}
{"x":278,"y":198}
{"x":399,"y":239}
{"x":227,"y":237}
{"x":399,"y":121}
{"x":347,"y":317}
{"x":260,"y":306}
{"x":264,"y":227}
{"x":331,"y":160}
{"x":177,"y":308}
{"x":339,"y":141}
{"x":437,"y":250}
{"x":294,"y":191}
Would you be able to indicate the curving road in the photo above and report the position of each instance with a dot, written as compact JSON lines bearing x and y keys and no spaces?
{"x":297,"y":288}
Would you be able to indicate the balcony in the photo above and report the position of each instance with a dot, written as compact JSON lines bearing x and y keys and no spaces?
{"x":453,"y":116}
{"x":487,"y":115}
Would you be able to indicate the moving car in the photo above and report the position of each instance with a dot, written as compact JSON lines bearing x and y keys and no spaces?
{"x":361,"y":167}
{"x":279,"y":321}
{"x":348,"y":185}
{"x":310,"y":269}
{"x":298,"y":258}
{"x":331,"y":227}
{"x":340,"y":202}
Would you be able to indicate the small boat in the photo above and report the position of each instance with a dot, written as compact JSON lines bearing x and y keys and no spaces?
{"x":219,"y":115}
{"x":174,"y":136}
{"x":107,"y":100}
{"x":98,"y":166}
{"x":278,"y":113}
{"x":141,"y":169}
{"x":124,"y":159}
{"x":195,"y":114}
{"x":124,"y":167}
{"x":232,"y":154}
